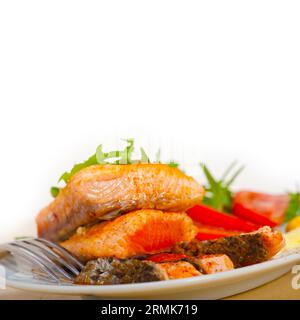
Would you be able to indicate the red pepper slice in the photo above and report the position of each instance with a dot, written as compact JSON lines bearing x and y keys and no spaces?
{"x":209,"y":232}
{"x":260,"y":208}
{"x":209,"y":216}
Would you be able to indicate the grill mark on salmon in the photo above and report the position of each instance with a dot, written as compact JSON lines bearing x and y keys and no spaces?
{"x":132,"y":234}
{"x":243,"y":250}
{"x":100,"y":192}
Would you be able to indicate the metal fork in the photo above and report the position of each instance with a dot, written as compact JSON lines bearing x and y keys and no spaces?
{"x":54,"y":260}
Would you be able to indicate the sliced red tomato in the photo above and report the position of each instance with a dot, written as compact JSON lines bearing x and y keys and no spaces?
{"x":166,"y":257}
{"x":209,"y":216}
{"x":260,"y":208}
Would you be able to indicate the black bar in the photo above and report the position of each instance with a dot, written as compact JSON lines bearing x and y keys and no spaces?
{"x":142,"y":309}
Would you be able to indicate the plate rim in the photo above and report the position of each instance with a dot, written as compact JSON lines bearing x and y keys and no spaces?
{"x":161,"y":286}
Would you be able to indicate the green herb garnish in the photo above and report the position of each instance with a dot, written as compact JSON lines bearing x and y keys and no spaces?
{"x":112,"y":157}
{"x":173,"y":164}
{"x":89,"y":162}
{"x":170,"y":163}
{"x":54,"y":191}
{"x":294,"y":207}
{"x":218,"y":194}
{"x":124,"y":156}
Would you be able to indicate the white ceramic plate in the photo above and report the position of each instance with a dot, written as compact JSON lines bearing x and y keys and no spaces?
{"x":213,"y":286}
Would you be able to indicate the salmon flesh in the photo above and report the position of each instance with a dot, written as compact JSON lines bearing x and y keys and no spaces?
{"x":133,"y":234}
{"x":101,"y":192}
{"x":214,"y":263}
{"x":179,"y":269}
{"x":207,"y":264}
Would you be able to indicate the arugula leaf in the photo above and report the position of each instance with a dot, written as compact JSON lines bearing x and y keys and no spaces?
{"x":113,"y":157}
{"x":77,"y":167}
{"x":144,"y":157}
{"x":100,"y":157}
{"x":227,"y":171}
{"x":170,"y":163}
{"x":173,"y":164}
{"x":293,"y":208}
{"x":234,"y":176}
{"x":157,"y":156}
{"x":219,"y":195}
{"x":127,"y":154}
{"x":54,"y":191}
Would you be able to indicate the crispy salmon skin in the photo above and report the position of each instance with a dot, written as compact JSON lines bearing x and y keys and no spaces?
{"x":132,"y":234}
{"x":105,"y":271}
{"x":244,"y":249}
{"x":101,"y":191}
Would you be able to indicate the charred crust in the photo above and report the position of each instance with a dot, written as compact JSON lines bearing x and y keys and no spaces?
{"x":243,"y":250}
{"x":105,"y":271}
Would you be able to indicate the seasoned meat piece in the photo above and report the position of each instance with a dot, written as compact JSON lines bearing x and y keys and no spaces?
{"x":243,"y":250}
{"x":135,"y":233}
{"x":105,"y":191}
{"x":113,"y":271}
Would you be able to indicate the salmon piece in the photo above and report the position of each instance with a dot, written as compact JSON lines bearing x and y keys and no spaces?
{"x":101,"y":192}
{"x":106,"y":271}
{"x":132,"y":234}
{"x":214,"y":263}
{"x":179,"y":269}
{"x":273,"y":241}
{"x":244,"y":249}
{"x":207,"y":264}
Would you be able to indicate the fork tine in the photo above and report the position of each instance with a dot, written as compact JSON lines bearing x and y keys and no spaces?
{"x":53,"y":255}
{"x":60,"y":272}
{"x":27,"y":255}
{"x":62,"y":251}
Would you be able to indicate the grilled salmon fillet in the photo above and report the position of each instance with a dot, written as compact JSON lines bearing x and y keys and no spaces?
{"x":101,"y":192}
{"x":132,"y":234}
{"x":244,"y":249}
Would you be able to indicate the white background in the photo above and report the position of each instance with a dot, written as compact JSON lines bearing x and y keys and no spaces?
{"x":209,"y":81}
